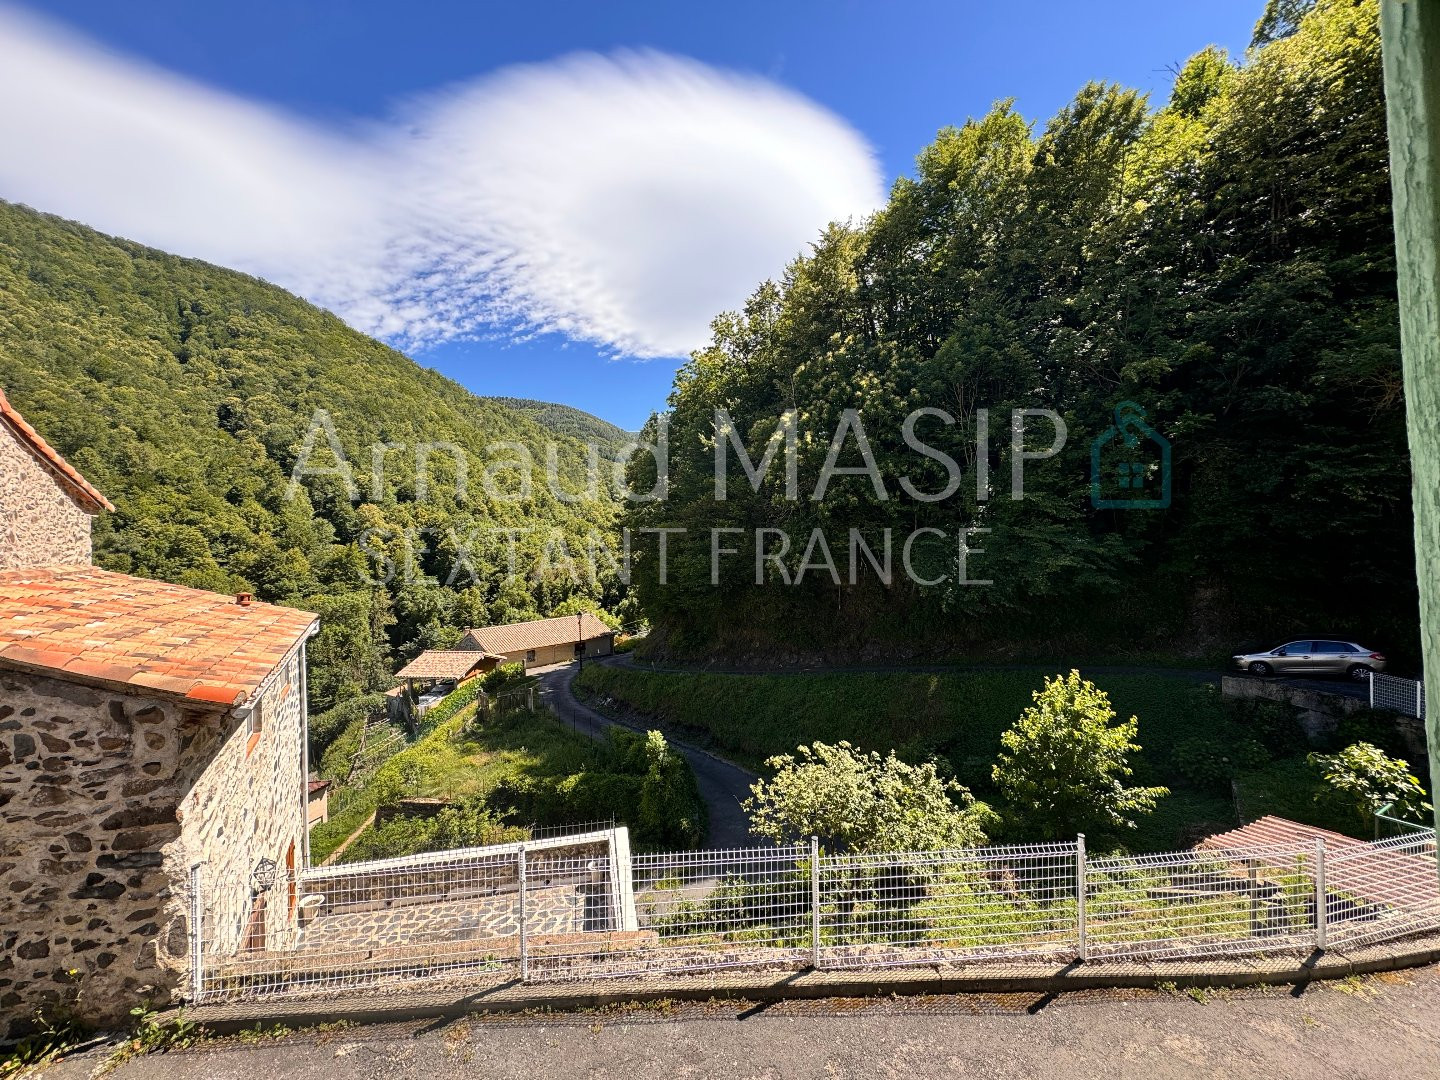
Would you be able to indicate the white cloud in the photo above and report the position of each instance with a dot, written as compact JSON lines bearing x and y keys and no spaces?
{"x":619,"y":200}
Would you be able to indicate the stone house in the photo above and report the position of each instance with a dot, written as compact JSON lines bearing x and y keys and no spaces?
{"x":543,"y":641}
{"x":146,"y":729}
{"x":45,"y":505}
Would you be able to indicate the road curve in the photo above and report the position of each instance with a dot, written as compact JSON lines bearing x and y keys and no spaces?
{"x":723,"y":785}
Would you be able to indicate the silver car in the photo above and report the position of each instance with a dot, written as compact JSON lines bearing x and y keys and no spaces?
{"x":1314,"y":657}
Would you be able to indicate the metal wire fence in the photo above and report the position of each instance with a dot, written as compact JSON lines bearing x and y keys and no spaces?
{"x":581,"y":906}
{"x":1398,"y":695}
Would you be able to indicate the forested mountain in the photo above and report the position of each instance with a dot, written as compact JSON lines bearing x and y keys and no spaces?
{"x":1224,"y":261}
{"x":565,"y":420}
{"x":187,"y":393}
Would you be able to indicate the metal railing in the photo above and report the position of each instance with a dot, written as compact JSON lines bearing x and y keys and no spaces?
{"x":1398,"y":695}
{"x":581,"y":906}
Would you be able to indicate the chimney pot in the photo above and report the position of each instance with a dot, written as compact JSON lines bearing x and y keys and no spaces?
{"x":243,"y":599}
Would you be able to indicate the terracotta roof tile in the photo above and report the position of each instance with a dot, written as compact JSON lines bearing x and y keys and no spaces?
{"x":98,"y":626}
{"x":539,"y":634}
{"x":79,"y":489}
{"x":444,"y":664}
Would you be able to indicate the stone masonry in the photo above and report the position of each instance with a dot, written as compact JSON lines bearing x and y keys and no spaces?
{"x":40,"y":523}
{"x":90,"y":785}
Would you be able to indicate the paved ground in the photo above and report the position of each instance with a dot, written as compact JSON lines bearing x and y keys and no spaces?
{"x":722,"y":785}
{"x":1383,"y":1027}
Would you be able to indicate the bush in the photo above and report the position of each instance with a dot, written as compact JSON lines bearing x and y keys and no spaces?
{"x":1274,"y":724}
{"x":1211,"y":765}
{"x":857,"y":801}
{"x":503,"y":677}
{"x":327,"y":726}
{"x":1365,"y":779}
{"x":1064,"y":762}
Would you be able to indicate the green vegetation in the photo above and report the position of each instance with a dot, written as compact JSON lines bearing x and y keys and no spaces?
{"x":1063,"y":765}
{"x":517,"y":770}
{"x":1191,"y":741}
{"x":1226,"y":261}
{"x":857,"y":801}
{"x":1365,"y":779}
{"x":572,"y":423}
{"x":186,"y":393}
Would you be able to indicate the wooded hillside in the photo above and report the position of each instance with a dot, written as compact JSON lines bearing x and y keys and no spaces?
{"x":1223,"y":260}
{"x":186,"y":393}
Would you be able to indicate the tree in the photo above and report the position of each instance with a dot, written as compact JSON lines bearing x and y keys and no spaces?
{"x":858,"y":801}
{"x":1064,"y":763}
{"x":1365,"y":779}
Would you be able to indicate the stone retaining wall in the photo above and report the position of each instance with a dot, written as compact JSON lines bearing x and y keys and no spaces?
{"x":1319,"y":712}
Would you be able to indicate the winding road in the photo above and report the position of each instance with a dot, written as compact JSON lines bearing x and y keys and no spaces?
{"x":723,"y":785}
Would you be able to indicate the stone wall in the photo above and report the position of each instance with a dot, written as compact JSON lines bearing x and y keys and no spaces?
{"x":90,"y":786}
{"x":1318,"y":712}
{"x":107,"y":800}
{"x":250,"y":804}
{"x":40,"y":525}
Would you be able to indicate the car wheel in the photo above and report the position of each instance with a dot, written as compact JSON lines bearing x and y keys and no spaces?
{"x":1359,"y":672}
{"x":1259,"y":667}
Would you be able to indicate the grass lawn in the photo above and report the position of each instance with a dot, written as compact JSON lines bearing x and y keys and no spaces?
{"x":959,"y":717}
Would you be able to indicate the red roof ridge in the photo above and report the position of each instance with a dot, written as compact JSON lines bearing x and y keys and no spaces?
{"x":81,"y":490}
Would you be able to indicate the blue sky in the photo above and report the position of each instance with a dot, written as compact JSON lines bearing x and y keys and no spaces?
{"x":881,"y":77}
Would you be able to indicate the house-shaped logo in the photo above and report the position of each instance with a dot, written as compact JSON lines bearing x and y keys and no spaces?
{"x":1130,"y":464}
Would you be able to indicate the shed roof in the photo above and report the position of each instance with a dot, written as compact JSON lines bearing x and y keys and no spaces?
{"x":444,"y":664}
{"x":66,"y":475}
{"x":1271,"y":831}
{"x":538,"y":634}
{"x":95,"y":626}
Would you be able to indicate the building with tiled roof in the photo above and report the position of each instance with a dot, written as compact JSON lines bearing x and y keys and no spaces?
{"x":151,"y":736}
{"x":114,"y":630}
{"x":448,"y":665}
{"x":544,"y":641}
{"x":46,"y":507}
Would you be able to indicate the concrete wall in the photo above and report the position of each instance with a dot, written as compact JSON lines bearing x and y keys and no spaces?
{"x":1319,"y":713}
{"x":107,"y":799}
{"x":40,"y":525}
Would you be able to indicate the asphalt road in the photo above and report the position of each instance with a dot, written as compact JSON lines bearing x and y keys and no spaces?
{"x":1386,"y":1027}
{"x":723,"y":785}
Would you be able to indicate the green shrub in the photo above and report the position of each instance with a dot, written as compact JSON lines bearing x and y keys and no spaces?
{"x":503,"y":677}
{"x":1365,"y":779}
{"x":1210,"y":765}
{"x":467,"y":823}
{"x":327,"y":726}
{"x":1064,"y":764}
{"x":1274,"y":724}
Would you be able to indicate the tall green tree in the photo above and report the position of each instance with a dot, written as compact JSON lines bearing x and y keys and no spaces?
{"x":1063,"y":766}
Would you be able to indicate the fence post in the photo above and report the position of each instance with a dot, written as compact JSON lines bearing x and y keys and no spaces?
{"x":1080,"y":890}
{"x":1419,"y":700}
{"x":197,"y":931}
{"x":524,"y":937}
{"x":1371,"y":683}
{"x":1322,"y":903}
{"x":815,"y":902}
